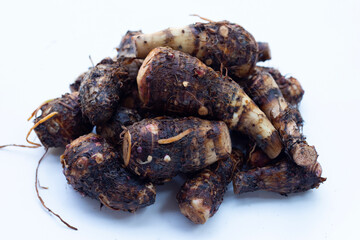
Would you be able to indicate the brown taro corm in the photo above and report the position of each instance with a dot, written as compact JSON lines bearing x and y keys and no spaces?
{"x":75,"y":86}
{"x":263,"y":89}
{"x":104,"y":85}
{"x":176,"y":83}
{"x":283,"y":177}
{"x":93,"y":168}
{"x":290,"y":87}
{"x":112,"y":129}
{"x":201,"y":195}
{"x":66,"y":125}
{"x":159,"y":149}
{"x":264,"y":52}
{"x":217,"y":44}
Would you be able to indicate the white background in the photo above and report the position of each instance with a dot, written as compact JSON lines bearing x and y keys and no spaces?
{"x":45,"y":45}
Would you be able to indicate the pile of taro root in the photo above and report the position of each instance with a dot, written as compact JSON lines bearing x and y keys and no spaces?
{"x":189,"y":101}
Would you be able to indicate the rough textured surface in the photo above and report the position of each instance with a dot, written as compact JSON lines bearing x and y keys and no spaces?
{"x":265,"y":92}
{"x":75,"y":86}
{"x":64,"y":127}
{"x":290,"y":87}
{"x":218,"y":44}
{"x":284,"y":177}
{"x":174,"y":82}
{"x":104,"y":85}
{"x":112,"y":129}
{"x":93,"y":168}
{"x":159,"y":149}
{"x":201,"y":195}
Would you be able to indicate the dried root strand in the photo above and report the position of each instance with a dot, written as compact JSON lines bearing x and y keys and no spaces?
{"x":33,"y":114}
{"x":47,"y":117}
{"x":205,"y":19}
{"x":35,"y":145}
{"x":177,"y":137}
{"x":18,"y":145}
{"x":40,"y":198}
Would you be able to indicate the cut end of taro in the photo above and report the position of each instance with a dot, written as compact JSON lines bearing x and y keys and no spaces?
{"x":304,"y":155}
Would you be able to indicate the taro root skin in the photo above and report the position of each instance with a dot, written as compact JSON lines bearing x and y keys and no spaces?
{"x":215,"y":43}
{"x":175,"y":82}
{"x":290,"y":87}
{"x":112,"y":129}
{"x":75,"y":86}
{"x":93,"y":168}
{"x":65,"y":126}
{"x":284,"y":177}
{"x":201,"y":195}
{"x":267,"y":95}
{"x":103,"y":86}
{"x":159,"y":149}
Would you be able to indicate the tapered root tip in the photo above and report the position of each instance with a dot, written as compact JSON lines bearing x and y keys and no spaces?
{"x":304,"y":155}
{"x":273,"y":149}
{"x":195,"y":211}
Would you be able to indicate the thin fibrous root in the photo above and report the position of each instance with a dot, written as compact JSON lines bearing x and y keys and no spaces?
{"x":18,"y":145}
{"x":36,"y":145}
{"x":37,"y":124}
{"x":205,"y":19}
{"x":176,"y":138}
{"x":37,"y":109}
{"x":39,"y":197}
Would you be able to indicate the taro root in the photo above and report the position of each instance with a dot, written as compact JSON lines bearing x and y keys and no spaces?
{"x":217,"y":44}
{"x":284,"y":177}
{"x":93,"y":168}
{"x":104,"y":85}
{"x":201,"y":195}
{"x":159,"y":149}
{"x":267,"y":95}
{"x":113,"y":128}
{"x":75,"y":86}
{"x":264,"y":53}
{"x":67,"y":124}
{"x":175,"y":82}
{"x":290,"y":87}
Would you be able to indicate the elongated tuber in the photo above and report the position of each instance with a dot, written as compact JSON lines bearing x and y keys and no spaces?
{"x":66,"y":125}
{"x":290,"y":87}
{"x":217,"y":44}
{"x":284,"y":177}
{"x":201,"y":195}
{"x":265,"y":92}
{"x":159,"y":149}
{"x":94,"y":169}
{"x":103,"y":86}
{"x":174,"y":82}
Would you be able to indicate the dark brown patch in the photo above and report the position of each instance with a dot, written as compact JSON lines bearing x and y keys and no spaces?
{"x":105,"y":180}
